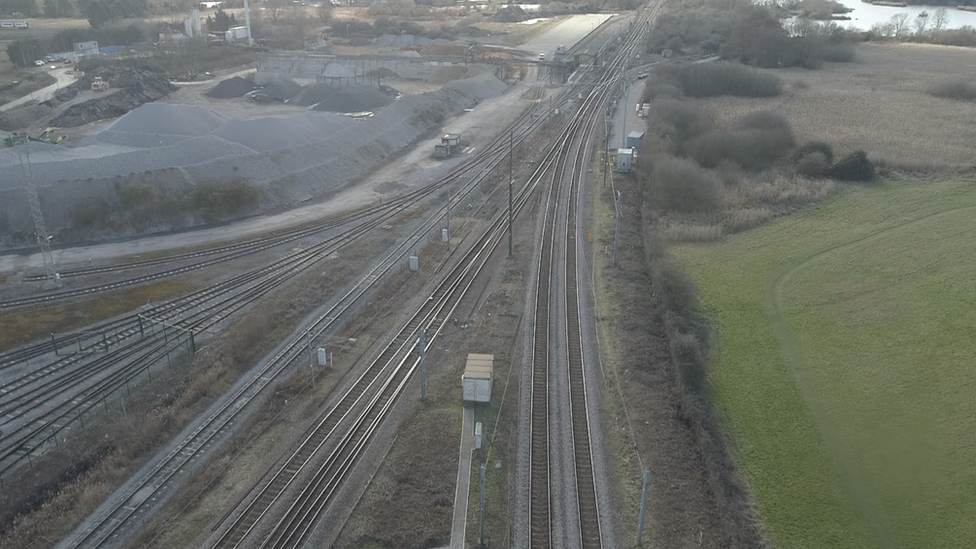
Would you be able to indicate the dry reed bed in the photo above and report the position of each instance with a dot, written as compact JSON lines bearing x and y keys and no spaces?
{"x":878,"y":103}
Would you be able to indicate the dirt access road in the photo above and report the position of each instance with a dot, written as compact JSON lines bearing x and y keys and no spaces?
{"x":566,"y":33}
{"x":63,"y":77}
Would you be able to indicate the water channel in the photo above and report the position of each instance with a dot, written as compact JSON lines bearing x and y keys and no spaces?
{"x":867,"y":15}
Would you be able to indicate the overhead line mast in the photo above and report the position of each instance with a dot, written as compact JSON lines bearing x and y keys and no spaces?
{"x":20,"y":142}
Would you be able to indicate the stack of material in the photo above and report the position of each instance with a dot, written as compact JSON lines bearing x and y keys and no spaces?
{"x":232,"y":87}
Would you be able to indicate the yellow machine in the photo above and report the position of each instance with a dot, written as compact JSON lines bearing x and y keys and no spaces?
{"x":98,"y":84}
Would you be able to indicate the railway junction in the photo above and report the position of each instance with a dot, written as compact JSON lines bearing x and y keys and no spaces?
{"x":396,"y":279}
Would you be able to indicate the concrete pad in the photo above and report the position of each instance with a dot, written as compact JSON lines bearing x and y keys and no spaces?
{"x":566,"y":33}
{"x":459,"y":523}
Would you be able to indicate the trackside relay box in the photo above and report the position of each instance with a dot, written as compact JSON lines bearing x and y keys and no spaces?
{"x":476,"y":380}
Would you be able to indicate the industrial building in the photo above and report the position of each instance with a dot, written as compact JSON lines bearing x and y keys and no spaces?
{"x":85,"y":48}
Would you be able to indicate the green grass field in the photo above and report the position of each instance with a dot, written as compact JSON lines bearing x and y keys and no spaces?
{"x":844,"y":368}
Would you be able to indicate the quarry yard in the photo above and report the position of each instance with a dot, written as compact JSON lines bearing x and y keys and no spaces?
{"x":417,"y":167}
{"x":205,"y":130}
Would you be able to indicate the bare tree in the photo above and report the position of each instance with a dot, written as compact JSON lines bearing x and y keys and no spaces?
{"x":275,"y":9}
{"x":940,"y":19}
{"x":324,"y":11}
{"x":885,"y":30}
{"x":899,"y":23}
{"x":921,"y":22}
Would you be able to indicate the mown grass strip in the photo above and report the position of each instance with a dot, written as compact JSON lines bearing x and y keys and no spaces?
{"x":841,"y":365}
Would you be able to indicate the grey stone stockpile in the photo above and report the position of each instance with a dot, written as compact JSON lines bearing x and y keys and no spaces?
{"x":354,"y":99}
{"x":293,"y":157}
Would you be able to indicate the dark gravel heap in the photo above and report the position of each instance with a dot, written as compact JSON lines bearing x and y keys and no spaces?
{"x":354,"y":99}
{"x":314,"y":94}
{"x":137,"y":88}
{"x":283,"y":90}
{"x":232,"y":87}
{"x":510,"y":14}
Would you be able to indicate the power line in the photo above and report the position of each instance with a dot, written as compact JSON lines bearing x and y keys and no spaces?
{"x":20,"y":142}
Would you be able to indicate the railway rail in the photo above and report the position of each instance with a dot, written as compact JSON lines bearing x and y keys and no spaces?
{"x":544,"y":529}
{"x":373,"y":395}
{"x":198,"y":311}
{"x":316,"y":480}
{"x":325,"y":475}
{"x":109,"y":523}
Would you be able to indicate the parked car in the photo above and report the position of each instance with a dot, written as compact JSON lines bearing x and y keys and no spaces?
{"x":39,"y":63}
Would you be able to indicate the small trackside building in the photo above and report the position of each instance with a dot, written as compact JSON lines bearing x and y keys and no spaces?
{"x":634,"y":139}
{"x":625,"y":159}
{"x":476,"y":380}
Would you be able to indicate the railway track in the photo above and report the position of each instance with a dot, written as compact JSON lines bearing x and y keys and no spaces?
{"x":305,"y":485}
{"x":200,"y":310}
{"x":545,"y":530}
{"x":344,"y":431}
{"x":492,"y":155}
{"x":126,"y":508}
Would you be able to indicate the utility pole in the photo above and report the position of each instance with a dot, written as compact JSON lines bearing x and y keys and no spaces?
{"x":606,"y":147}
{"x":549,"y":120}
{"x":623,"y":126}
{"x":17,"y":141}
{"x":247,"y":22}
{"x":448,"y":219}
{"x":511,"y":182}
{"x":311,"y":357}
{"x":616,"y":224}
{"x":643,"y":507}
{"x":481,"y":529}
{"x":422,"y":347}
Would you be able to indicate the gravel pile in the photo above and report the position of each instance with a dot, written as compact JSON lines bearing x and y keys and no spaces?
{"x":269,"y":133}
{"x":138,"y":87}
{"x":314,"y":94}
{"x":232,"y":87}
{"x":290,"y":156}
{"x":354,"y":99}
{"x":283,"y":90}
{"x":21,"y":117}
{"x":481,"y":87}
{"x":163,"y":118}
{"x":510,"y":14}
{"x":63,"y":95}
